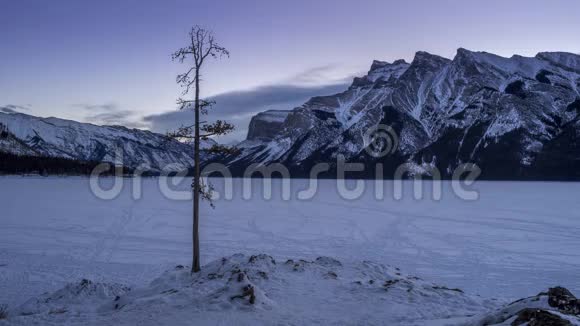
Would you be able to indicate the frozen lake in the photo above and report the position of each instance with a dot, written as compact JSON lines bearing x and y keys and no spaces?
{"x":515,"y":240}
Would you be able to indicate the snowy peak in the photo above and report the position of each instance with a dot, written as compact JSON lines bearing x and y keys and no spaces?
{"x":382,"y":71}
{"x":422,"y":58}
{"x":378,"y":64}
{"x":424,"y":65}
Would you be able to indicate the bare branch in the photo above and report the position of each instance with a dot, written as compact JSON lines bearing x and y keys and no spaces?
{"x":202,"y":44}
{"x":204,"y":105}
{"x":181,"y":54}
{"x":184,"y":104}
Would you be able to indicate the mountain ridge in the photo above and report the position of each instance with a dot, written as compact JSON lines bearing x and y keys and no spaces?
{"x":29,"y":135}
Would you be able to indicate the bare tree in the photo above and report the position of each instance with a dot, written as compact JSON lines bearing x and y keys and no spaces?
{"x":202,"y":45}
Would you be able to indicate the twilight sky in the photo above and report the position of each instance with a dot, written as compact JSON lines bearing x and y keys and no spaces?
{"x":108,"y":61}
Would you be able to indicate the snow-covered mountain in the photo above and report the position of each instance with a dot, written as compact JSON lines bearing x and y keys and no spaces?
{"x":517,"y":118}
{"x":29,"y":135}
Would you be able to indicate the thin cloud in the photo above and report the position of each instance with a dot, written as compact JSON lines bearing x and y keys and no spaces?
{"x":315,"y":74}
{"x":97,"y":107}
{"x":238,"y":107}
{"x":12,"y":108}
{"x":111,"y":117}
{"x":322,"y":75}
{"x":110,"y":114}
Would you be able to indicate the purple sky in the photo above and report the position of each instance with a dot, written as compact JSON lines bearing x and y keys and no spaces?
{"x":109,"y":61}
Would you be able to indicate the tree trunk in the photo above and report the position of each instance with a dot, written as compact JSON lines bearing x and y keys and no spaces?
{"x":195,"y":267}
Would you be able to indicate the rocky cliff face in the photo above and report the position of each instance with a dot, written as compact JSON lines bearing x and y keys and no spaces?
{"x":265,"y":125}
{"x":23,"y":134}
{"x":517,"y":118}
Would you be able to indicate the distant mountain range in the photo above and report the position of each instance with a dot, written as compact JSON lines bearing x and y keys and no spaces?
{"x":23,"y":134}
{"x":516,"y":118}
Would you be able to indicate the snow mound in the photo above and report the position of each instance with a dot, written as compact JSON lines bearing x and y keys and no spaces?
{"x":243,"y":288}
{"x":230,"y":283}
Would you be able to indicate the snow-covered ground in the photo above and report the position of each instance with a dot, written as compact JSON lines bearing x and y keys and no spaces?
{"x":516,"y":240}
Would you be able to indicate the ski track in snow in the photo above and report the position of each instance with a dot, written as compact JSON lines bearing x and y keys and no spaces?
{"x":515,"y":241}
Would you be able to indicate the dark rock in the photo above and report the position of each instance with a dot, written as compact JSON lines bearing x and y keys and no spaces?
{"x":300,"y":265}
{"x":247,"y":291}
{"x":574,"y":106}
{"x":84,"y":282}
{"x":516,"y":88}
{"x":390,"y":283}
{"x":255,"y":258}
{"x":538,"y":317}
{"x":563,"y":300}
{"x":3,"y":311}
{"x":542,"y":76}
{"x":447,"y":289}
{"x":213,"y":276}
{"x":263,"y":274}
